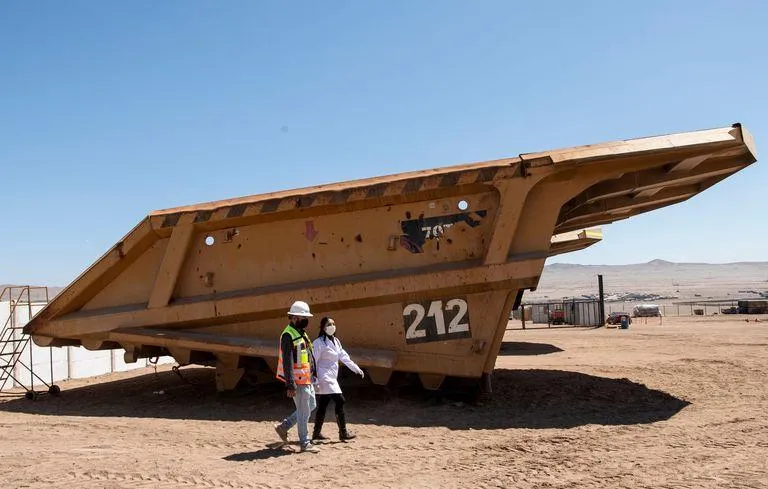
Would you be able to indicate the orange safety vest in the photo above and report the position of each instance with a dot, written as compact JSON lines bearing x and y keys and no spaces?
{"x":302,"y":368}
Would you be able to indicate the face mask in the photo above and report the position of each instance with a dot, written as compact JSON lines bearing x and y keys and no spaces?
{"x":330,"y":329}
{"x":302,"y":323}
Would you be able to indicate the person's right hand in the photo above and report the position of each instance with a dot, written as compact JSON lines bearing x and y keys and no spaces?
{"x":290,"y":392}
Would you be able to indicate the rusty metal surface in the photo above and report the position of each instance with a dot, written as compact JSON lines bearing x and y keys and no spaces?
{"x":419,"y":269}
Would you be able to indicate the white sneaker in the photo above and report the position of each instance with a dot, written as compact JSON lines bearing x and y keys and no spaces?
{"x":309,"y":447}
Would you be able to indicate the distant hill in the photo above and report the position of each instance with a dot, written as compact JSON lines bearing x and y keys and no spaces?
{"x":683,"y":281}
{"x":661,"y":277}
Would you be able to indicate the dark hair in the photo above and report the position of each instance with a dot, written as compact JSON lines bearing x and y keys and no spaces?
{"x":323,"y":323}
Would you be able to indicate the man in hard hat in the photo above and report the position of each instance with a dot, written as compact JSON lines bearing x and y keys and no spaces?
{"x":296,"y":368}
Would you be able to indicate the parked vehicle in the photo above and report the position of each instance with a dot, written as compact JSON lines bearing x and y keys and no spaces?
{"x":646,"y":311}
{"x":557,"y":317}
{"x":753,"y":306}
{"x":615,"y":318}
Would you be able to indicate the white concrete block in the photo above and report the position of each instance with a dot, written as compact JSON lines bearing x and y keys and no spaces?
{"x":85,"y":363}
{"x":67,"y":362}
{"x":120,"y":364}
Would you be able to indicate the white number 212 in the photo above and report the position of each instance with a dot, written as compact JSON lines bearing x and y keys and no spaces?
{"x":458,"y":323}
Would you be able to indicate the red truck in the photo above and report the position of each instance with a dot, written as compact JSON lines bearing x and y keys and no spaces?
{"x":557,"y":317}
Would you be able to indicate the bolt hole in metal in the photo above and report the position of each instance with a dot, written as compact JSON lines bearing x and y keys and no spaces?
{"x":463,"y":205}
{"x":209,"y":240}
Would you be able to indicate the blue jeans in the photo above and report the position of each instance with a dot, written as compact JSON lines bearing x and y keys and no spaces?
{"x":305,"y":404}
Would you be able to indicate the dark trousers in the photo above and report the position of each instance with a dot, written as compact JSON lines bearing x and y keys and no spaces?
{"x":323,"y":400}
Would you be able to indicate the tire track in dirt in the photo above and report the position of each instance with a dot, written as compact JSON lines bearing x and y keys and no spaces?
{"x":155,"y":480}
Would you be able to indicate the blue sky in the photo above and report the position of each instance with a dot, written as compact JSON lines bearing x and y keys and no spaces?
{"x":109,"y":110}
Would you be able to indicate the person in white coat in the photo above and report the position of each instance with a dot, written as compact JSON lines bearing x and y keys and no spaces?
{"x":328,"y":352}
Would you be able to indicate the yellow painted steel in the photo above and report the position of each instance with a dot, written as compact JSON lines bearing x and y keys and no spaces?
{"x":420,"y":270}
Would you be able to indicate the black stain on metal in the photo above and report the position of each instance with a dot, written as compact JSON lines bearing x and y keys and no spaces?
{"x":342,"y":240}
{"x":416,"y":232}
{"x":412,"y":186}
{"x":270,"y":205}
{"x":239,"y":245}
{"x":341,"y":197}
{"x":449,"y":240}
{"x":359,"y":238}
{"x":376,"y":190}
{"x":449,"y":180}
{"x":407,"y":215}
{"x":203,"y":216}
{"x":313,"y":255}
{"x":237,"y":210}
{"x":120,"y":251}
{"x":171,"y":220}
{"x":305,"y":201}
{"x":486,"y":175}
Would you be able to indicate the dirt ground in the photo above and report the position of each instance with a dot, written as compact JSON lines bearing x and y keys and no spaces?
{"x":677,"y":405}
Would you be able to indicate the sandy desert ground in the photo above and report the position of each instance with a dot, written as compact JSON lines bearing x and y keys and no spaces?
{"x":678,"y":405}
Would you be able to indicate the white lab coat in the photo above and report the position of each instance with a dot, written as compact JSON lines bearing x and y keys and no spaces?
{"x":328,"y":352}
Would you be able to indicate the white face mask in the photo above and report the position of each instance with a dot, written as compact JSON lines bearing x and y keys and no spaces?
{"x":330,"y":329}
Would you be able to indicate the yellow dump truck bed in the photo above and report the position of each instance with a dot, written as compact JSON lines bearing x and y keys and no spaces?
{"x":420,"y":270}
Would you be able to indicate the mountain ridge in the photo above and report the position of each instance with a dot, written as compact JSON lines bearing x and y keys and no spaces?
{"x":654,"y":262}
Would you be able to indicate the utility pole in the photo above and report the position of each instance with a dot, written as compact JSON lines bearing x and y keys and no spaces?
{"x":602,"y":299}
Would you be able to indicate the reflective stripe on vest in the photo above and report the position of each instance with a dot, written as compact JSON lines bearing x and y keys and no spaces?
{"x":302,"y":368}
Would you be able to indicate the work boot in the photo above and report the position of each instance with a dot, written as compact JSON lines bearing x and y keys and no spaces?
{"x":309,"y":447}
{"x":341,"y":420}
{"x":345,"y":435}
{"x":282,"y":432}
{"x":316,"y":432}
{"x":318,"y":437}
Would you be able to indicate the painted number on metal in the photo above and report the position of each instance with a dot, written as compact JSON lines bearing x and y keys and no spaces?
{"x":437,"y":320}
{"x":435,"y":232}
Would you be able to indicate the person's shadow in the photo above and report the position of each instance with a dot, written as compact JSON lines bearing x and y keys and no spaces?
{"x":272,"y":450}
{"x":528,"y":399}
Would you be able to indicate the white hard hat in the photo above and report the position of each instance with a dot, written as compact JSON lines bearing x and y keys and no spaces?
{"x":300,"y":308}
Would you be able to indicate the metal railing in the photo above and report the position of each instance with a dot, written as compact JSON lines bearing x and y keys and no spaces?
{"x":14,"y":343}
{"x":704,"y":307}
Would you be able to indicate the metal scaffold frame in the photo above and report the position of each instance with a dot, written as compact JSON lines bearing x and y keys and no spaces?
{"x":14,"y":343}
